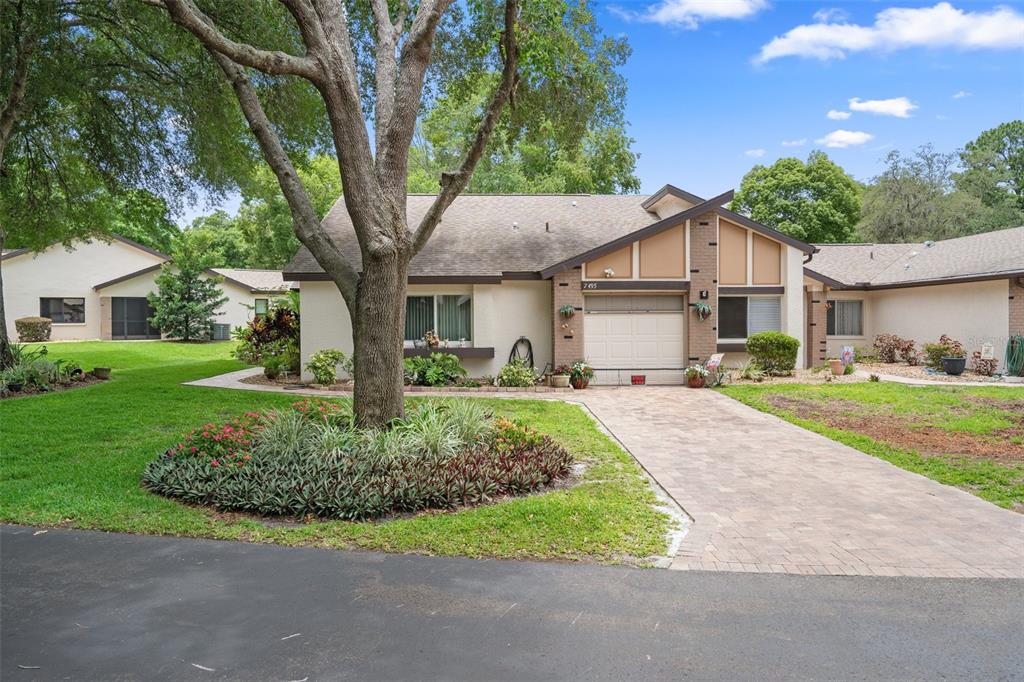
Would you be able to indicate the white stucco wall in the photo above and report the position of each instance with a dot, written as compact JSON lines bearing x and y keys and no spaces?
{"x":973,"y":313}
{"x":59,"y":273}
{"x":501,"y":314}
{"x":793,"y":321}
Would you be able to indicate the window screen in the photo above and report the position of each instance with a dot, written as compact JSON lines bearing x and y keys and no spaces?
{"x":455,"y":317}
{"x":764,"y":315}
{"x":63,"y":310}
{"x":845,"y":318}
{"x":419,"y":316}
{"x":732,"y":317}
{"x":262,"y":306}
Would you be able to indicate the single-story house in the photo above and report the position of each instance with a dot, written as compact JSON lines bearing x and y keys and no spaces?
{"x":970,"y":288}
{"x":627,"y":270}
{"x":97,"y":290}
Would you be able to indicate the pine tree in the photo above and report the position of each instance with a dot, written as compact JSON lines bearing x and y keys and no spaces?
{"x":186,"y":302}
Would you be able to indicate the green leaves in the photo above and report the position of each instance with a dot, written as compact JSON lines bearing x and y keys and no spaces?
{"x":186,"y":300}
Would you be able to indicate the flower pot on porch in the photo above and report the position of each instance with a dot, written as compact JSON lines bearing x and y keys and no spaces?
{"x":559,"y":380}
{"x":836,"y":366}
{"x":579,"y":383}
{"x":953,"y":366}
{"x":695,"y":381}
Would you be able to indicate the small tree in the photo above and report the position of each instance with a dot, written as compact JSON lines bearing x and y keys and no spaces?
{"x":186,"y":302}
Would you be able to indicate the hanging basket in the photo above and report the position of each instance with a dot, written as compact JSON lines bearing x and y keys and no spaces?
{"x":703,"y":311}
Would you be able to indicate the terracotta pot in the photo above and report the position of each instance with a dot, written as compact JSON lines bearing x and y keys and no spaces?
{"x":836,"y":366}
{"x":579,"y":384}
{"x":559,"y":380}
{"x":695,"y":381}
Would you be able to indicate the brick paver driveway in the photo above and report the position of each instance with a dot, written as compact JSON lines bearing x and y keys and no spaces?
{"x":768,"y":496}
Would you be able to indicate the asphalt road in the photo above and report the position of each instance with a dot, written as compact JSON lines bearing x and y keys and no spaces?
{"x":93,"y":606}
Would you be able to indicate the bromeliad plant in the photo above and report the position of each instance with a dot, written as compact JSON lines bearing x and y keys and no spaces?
{"x":311,"y":460}
{"x":703,"y":310}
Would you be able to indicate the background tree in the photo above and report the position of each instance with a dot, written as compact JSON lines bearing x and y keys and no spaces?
{"x":378,"y":62}
{"x":993,"y":169}
{"x":815,"y":201}
{"x":187,"y":299}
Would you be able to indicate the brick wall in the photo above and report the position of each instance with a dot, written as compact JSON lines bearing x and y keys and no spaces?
{"x":1016,"y":301}
{"x":568,"y":333}
{"x":817,"y":326}
{"x":702,"y":335}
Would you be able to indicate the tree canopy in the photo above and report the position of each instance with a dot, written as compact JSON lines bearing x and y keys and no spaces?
{"x":816,"y":201}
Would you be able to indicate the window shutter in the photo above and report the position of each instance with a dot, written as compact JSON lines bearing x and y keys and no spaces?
{"x":764,"y":315}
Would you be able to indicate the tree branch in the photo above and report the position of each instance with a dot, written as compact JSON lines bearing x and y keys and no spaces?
{"x":387,"y":70}
{"x":19,"y":85}
{"x":307,"y":223}
{"x":274,"y":62}
{"x":452,"y":184}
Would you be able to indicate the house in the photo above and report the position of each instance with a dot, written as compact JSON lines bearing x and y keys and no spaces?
{"x":971,"y":288}
{"x":97,"y":290}
{"x":501,"y":268}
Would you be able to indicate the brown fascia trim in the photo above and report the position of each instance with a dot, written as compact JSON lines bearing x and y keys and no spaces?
{"x":867,"y":286}
{"x":130,"y":275}
{"x":248,"y":287}
{"x":767,"y":231}
{"x":672,"y":190}
{"x":475,"y":352}
{"x":17,"y":252}
{"x":750,"y":291}
{"x":140,"y":247}
{"x":708,"y":206}
{"x":413,"y":279}
{"x":112,"y":237}
{"x":637,"y":285}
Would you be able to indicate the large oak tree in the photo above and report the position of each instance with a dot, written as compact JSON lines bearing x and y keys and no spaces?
{"x":337,"y":47}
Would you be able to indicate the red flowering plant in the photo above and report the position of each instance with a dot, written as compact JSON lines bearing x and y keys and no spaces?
{"x":336,"y":413}
{"x":222,"y":444}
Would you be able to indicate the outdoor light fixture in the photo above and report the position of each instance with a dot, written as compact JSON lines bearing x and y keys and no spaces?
{"x":608,"y":272}
{"x":704,"y":294}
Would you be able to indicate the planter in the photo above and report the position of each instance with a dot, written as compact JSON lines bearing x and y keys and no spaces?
{"x":836,"y":366}
{"x":101,"y":372}
{"x":579,"y":384}
{"x":954,"y":366}
{"x":15,"y":387}
{"x":559,"y":380}
{"x":695,"y":382}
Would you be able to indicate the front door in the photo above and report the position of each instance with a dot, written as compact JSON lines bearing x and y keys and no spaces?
{"x":129,"y":318}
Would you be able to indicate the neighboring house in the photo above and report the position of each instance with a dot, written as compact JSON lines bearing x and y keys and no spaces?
{"x":971,"y":288}
{"x":500,"y":267}
{"x":97,"y":290}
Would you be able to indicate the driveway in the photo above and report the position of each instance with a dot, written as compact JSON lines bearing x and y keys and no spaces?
{"x":768,"y":496}
{"x":97,"y":606}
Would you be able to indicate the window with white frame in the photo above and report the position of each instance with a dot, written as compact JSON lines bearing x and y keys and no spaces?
{"x":741,"y":316}
{"x":63,"y":310}
{"x":262,"y":306}
{"x":845,"y":318}
{"x":451,"y":316}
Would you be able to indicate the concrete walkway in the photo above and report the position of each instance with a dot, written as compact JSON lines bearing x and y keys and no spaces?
{"x":768,"y":496}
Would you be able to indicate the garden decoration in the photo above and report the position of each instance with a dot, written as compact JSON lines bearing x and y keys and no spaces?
{"x":703,"y":310}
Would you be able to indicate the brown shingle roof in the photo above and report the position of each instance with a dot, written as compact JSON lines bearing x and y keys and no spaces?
{"x":257,"y":281}
{"x":887,"y":265}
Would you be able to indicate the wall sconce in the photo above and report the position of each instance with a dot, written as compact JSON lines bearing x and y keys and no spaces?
{"x":608,"y":272}
{"x":704,"y":294}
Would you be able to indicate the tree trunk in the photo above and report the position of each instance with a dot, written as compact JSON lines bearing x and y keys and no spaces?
{"x":6,"y":359}
{"x":378,"y":331}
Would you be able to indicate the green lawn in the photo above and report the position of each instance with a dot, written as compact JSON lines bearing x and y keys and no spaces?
{"x":74,"y":459}
{"x":972,"y":438}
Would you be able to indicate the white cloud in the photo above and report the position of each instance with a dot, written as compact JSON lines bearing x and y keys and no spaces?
{"x":960,"y":94}
{"x":838,"y":115}
{"x":900,"y":107}
{"x":899,"y":28}
{"x":795,"y":143}
{"x":756,"y":153}
{"x":941,"y":117}
{"x":844,"y":138}
{"x":689,"y":14}
{"x":831,"y":14}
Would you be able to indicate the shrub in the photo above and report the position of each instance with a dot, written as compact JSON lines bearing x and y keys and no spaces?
{"x":324,"y":365}
{"x":581,"y":371}
{"x":32,"y":369}
{"x":33,"y":329}
{"x":436,"y":369}
{"x":946,"y":348}
{"x":517,"y":373}
{"x":849,"y":369}
{"x":889,"y":348}
{"x":774,"y":352}
{"x":275,"y":334}
{"x":751,"y":371}
{"x":984,"y":366}
{"x":307,"y":460}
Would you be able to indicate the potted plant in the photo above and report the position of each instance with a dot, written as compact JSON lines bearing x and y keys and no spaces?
{"x":15,"y":379}
{"x":560,"y":376}
{"x":567,"y":311}
{"x":101,"y":372}
{"x":702,"y":309}
{"x":954,"y":358}
{"x":836,"y":365}
{"x":580,"y":374}
{"x":696,"y":376}
{"x":432,"y":339}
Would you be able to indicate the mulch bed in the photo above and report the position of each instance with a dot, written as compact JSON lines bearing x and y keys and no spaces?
{"x":922,"y":373}
{"x":910,"y":431}
{"x":86,"y":380}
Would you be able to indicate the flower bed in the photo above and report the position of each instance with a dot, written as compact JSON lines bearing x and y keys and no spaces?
{"x":310,"y":460}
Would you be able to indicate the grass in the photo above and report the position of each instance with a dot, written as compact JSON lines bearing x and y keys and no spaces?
{"x":959,"y":411}
{"x":74,"y":459}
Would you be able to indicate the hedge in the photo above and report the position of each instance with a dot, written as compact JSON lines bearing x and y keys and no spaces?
{"x":32,"y":329}
{"x":774,"y":352}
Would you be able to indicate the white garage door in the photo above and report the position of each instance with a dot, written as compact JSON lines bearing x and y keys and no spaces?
{"x":631,"y":335}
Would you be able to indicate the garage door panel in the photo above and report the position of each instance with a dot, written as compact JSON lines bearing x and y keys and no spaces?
{"x":625,"y":341}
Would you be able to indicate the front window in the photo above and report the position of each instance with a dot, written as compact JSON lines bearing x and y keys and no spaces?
{"x":451,"y":316}
{"x":741,"y":316}
{"x":63,"y":310}
{"x":845,"y":318}
{"x":262,"y":306}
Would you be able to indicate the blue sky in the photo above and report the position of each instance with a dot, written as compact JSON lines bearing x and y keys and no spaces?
{"x":716,"y":86}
